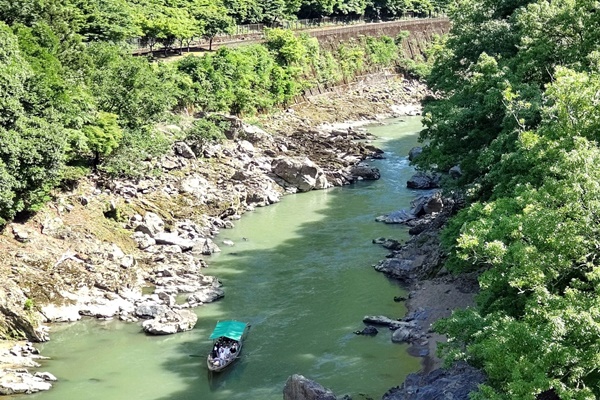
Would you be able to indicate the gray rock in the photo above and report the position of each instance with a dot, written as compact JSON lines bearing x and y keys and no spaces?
{"x":62,"y":313}
{"x":254,"y":134}
{"x":205,"y":247}
{"x":206,"y":295}
{"x":455,"y":172}
{"x":422,"y":180}
{"x":193,"y":185}
{"x":434,"y":204}
{"x":368,"y":331}
{"x":151,"y":225}
{"x":171,"y":322}
{"x":397,"y":217}
{"x":52,"y":226}
{"x":150,"y":309}
{"x":47,"y":376}
{"x":406,"y":333}
{"x":168,"y":238}
{"x":414,"y":153}
{"x":20,"y":233}
{"x":246,"y":147}
{"x":366,"y":172}
{"x":455,"y":383}
{"x":302,"y":174}
{"x":183,"y":150}
{"x":143,"y":240}
{"x":22,"y":382}
{"x":383,"y":320}
{"x":297,"y":387}
{"x":128,"y":261}
{"x":169,"y":164}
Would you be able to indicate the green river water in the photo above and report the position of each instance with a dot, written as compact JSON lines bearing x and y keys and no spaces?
{"x":303,"y":279}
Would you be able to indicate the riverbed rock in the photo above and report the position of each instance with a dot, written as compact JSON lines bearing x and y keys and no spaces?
{"x":205,"y":247}
{"x":60,"y":313}
{"x":368,"y":330}
{"x":206,"y":295}
{"x":20,"y":381}
{"x":423,"y":181}
{"x":150,"y":309}
{"x":366,"y":172}
{"x":298,"y":387}
{"x":455,"y":383}
{"x":414,"y":153}
{"x":383,"y":320}
{"x":300,"y":173}
{"x":170,"y":322}
{"x":397,"y":217}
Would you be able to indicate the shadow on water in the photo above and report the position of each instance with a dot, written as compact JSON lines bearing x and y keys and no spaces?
{"x":303,"y":279}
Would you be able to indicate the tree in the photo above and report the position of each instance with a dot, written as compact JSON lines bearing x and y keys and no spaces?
{"x":214,"y":18}
{"x":103,"y":136}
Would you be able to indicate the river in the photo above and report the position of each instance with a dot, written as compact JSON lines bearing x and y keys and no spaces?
{"x":300,"y":273}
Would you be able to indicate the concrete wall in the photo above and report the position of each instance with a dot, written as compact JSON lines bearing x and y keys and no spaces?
{"x":421,"y":33}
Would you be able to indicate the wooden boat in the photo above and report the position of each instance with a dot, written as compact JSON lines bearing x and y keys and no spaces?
{"x":226,"y":335}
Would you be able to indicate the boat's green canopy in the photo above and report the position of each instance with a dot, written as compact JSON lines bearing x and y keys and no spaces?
{"x":230,"y":329}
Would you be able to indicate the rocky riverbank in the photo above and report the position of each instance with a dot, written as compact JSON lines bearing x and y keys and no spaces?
{"x":128,"y":249}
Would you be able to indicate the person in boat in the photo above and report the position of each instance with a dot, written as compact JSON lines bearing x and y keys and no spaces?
{"x":234,"y":348}
{"x":226,"y":354}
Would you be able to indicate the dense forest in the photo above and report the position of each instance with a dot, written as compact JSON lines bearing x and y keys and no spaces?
{"x":519,"y":113}
{"x":74,"y":100}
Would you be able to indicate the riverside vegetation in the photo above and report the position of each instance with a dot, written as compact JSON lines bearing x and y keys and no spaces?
{"x":519,"y":85}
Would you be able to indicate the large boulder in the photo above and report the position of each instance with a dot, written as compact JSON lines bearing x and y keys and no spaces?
{"x":297,"y":387}
{"x":422,"y":180}
{"x":171,"y":322}
{"x":150,"y":309}
{"x":168,"y":238}
{"x":366,"y":172}
{"x":302,"y":174}
{"x":414,"y":153}
{"x":20,"y":381}
{"x":206,"y":294}
{"x":151,"y":225}
{"x":16,"y":318}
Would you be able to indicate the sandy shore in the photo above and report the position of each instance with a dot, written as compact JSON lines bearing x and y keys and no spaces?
{"x":435,"y":299}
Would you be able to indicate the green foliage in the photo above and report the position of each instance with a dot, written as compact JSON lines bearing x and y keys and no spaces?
{"x":103,"y":136}
{"x":381,"y":50}
{"x":130,"y":87}
{"x":28,"y":305}
{"x":351,"y":58}
{"x":205,"y":131}
{"x":520,"y":116}
{"x":287,"y":48}
{"x":133,"y":157}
